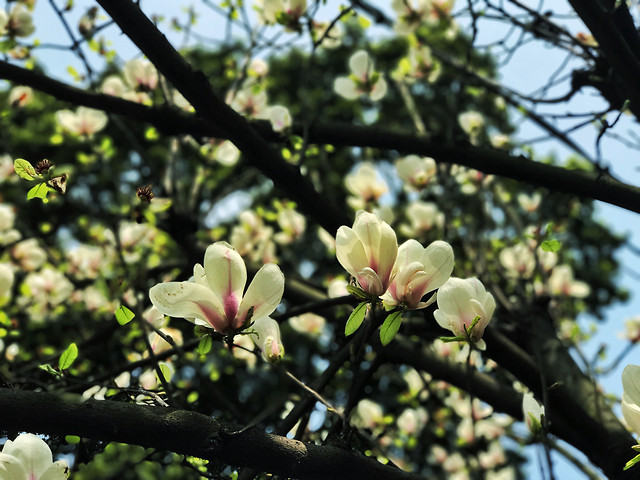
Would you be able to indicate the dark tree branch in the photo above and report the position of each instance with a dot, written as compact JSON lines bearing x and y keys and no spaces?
{"x":187,"y":433}
{"x":171,"y":121}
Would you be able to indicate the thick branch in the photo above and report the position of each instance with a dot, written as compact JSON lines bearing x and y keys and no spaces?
{"x":185,"y":432}
{"x":171,"y":121}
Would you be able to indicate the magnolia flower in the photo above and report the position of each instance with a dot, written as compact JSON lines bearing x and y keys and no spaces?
{"x":367,"y":414}
{"x":20,"y":96}
{"x":500,"y":140}
{"x":546,"y":259}
{"x":226,"y":154}
{"x":518,"y":260}
{"x":532,"y":412}
{"x":258,"y":68}
{"x":309,"y":323}
{"x":368,"y":252}
{"x":267,"y":339}
{"x":248,"y":102}
{"x":20,"y":23}
{"x":561,"y":282}
{"x":328,"y":39}
{"x":6,"y":281}
{"x":140,"y":74}
{"x":292,"y":223}
{"x":460,"y":301}
{"x":472,"y":124}
{"x":365,"y":185}
{"x":423,"y":217}
{"x":28,"y":457}
{"x":632,"y":329}
{"x":631,"y":396}
{"x":416,"y":171}
{"x":84,"y":121}
{"x":418,"y":65}
{"x":411,"y":14}
{"x":364,"y":80}
{"x":29,"y":254}
{"x":530,"y":203}
{"x":215,"y":297}
{"x":279,"y":117}
{"x":418,"y":271}
{"x":412,"y":420}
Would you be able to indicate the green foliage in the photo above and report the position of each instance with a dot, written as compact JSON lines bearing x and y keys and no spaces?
{"x":356,"y":318}
{"x":68,"y":357}
{"x":124,"y":315}
{"x":390,"y":327}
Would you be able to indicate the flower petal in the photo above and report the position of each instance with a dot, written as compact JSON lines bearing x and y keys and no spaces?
{"x":264,"y":294}
{"x":360,"y":64}
{"x":350,"y":251}
{"x":345,"y":87}
{"x":189,"y":300}
{"x":226,"y":275}
{"x":57,"y":471}
{"x":32,"y":452}
{"x":11,"y":468}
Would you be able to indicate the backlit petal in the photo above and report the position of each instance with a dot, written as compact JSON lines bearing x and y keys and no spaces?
{"x":226,"y":275}
{"x":31,"y":451}
{"x":264,"y":293}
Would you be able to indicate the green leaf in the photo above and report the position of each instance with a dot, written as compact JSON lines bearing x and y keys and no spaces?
{"x":390,"y":327}
{"x":72,"y":439}
{"x":204,"y":346}
{"x":39,"y":191}
{"x":124,"y":315}
{"x":552,"y":245}
{"x":355,"y":319}
{"x":166,"y":371}
{"x":631,"y":462}
{"x":24,"y":169}
{"x":68,"y":357}
{"x":49,"y":369}
{"x":459,"y":338}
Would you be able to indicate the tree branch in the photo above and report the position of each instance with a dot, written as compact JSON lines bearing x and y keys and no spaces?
{"x":187,"y":433}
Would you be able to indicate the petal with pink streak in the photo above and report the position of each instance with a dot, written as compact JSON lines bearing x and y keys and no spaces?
{"x":264,"y":294}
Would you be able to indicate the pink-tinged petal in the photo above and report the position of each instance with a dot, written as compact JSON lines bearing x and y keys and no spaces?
{"x":189,"y":300}
{"x":409,"y":252}
{"x":368,"y":229}
{"x":370,"y":282}
{"x":11,"y":468}
{"x":387,"y":252}
{"x":32,"y":452}
{"x":350,"y":251}
{"x":227,"y":276}
{"x":264,"y":294}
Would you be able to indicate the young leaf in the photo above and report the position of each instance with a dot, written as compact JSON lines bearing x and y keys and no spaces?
{"x":355,"y":319}
{"x":49,"y":369}
{"x":39,"y":191}
{"x":356,"y":292}
{"x":24,"y":169}
{"x":632,"y":462}
{"x":166,"y":371}
{"x":124,"y":315}
{"x":204,"y":346}
{"x":390,"y":327}
{"x":552,"y":245}
{"x":68,"y":357}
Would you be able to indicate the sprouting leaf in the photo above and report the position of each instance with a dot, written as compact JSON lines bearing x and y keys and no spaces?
{"x":355,"y":319}
{"x":124,"y":315}
{"x":72,"y":439}
{"x":356,"y":292}
{"x":165,"y":370}
{"x":49,"y":369}
{"x":390,"y":327}
{"x":24,"y":169}
{"x":68,"y":357}
{"x":551,"y":245}
{"x":204,"y":346}
{"x":39,"y":191}
{"x":632,"y":462}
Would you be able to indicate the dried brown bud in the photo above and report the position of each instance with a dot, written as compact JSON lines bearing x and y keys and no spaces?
{"x":43,"y":166}
{"x":145,"y":193}
{"x":59,"y":183}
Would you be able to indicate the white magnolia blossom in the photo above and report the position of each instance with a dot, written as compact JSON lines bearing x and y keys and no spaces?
{"x":328,"y":39}
{"x":28,"y":457}
{"x":632,"y":329}
{"x":279,"y":117}
{"x":418,"y":65}
{"x":418,"y":271}
{"x":364,"y":80}
{"x":252,"y":238}
{"x":267,"y":339}
{"x":500,"y":140}
{"x":532,"y":412}
{"x":292,"y":223}
{"x":416,"y":171}
{"x":492,"y":457}
{"x":29,"y":254}
{"x":472,"y":123}
{"x":337,"y":287}
{"x":518,"y":260}
{"x":248,"y":102}
{"x":411,"y":14}
{"x":631,"y":396}
{"x":84,"y":121}
{"x":546,"y":259}
{"x":19,"y":23}
{"x":561,"y":282}
{"x":368,"y":252}
{"x":140,"y":74}
{"x":6,"y":281}
{"x":460,"y":301}
{"x":412,"y":420}
{"x":215,"y":298}
{"x":258,"y":68}
{"x":365,"y":185}
{"x":8,"y":234}
{"x":367,"y":414}
{"x":423,"y":216}
{"x":308,"y":323}
{"x":20,"y":96}
{"x":529,"y":203}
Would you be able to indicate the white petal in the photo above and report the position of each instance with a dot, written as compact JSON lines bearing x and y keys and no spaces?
{"x":264,"y":293}
{"x":189,"y":300}
{"x":438,"y":263}
{"x":226,"y":275}
{"x":360,"y":64}
{"x":379,"y":90}
{"x":350,"y":252}
{"x":345,"y":87}
{"x":631,"y":383}
{"x":57,"y":471}
{"x":31,"y":451}
{"x":11,"y":468}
